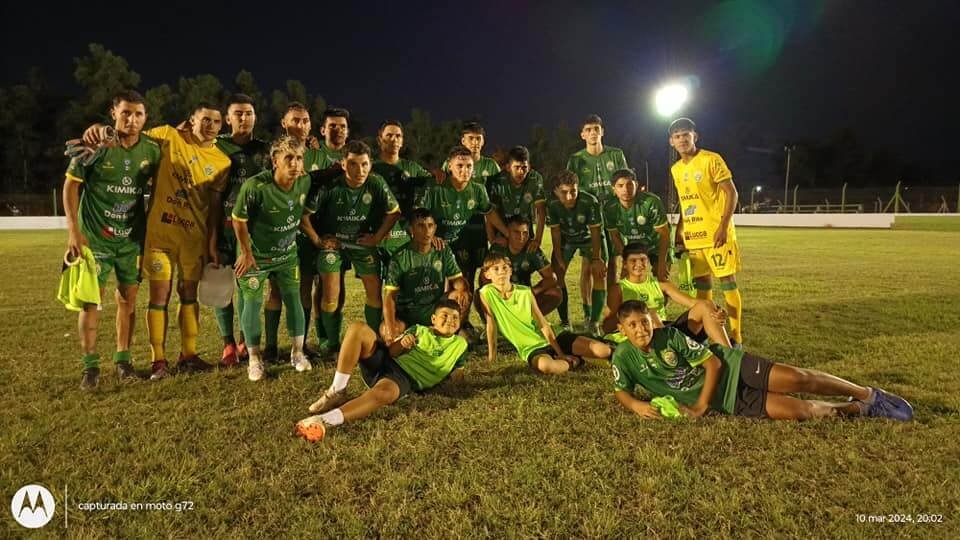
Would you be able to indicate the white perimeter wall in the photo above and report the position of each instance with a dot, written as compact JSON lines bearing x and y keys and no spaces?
{"x":32,"y":222}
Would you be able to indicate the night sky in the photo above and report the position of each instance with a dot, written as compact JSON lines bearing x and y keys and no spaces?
{"x":775,"y":70}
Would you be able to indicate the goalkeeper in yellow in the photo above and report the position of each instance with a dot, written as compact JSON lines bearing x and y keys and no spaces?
{"x":707,"y":201}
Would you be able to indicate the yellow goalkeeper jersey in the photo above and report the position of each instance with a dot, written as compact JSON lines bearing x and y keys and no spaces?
{"x":701,"y":199}
{"x":186,"y":175}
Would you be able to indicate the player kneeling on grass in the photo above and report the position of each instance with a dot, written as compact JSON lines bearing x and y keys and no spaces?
{"x":269,"y":209}
{"x":666,"y":363}
{"x":513,"y":309}
{"x":703,"y":319}
{"x":421,"y":358}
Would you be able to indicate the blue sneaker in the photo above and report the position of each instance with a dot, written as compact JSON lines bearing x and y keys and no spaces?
{"x":887,"y":405}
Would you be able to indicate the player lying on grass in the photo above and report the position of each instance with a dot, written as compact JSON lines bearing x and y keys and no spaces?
{"x":701,"y":321}
{"x":420,"y":359}
{"x":512,"y":309}
{"x":420,"y":275}
{"x":667,"y":363}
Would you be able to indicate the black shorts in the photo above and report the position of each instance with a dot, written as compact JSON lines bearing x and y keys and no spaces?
{"x":564,"y":340}
{"x":682,"y":323}
{"x":380,"y":365}
{"x":752,"y":388}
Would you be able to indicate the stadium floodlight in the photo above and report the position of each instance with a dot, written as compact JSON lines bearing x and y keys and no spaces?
{"x":669,"y":99}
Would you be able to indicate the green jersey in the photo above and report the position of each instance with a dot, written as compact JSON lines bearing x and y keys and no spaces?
{"x":640,"y":222}
{"x":111,"y":203}
{"x":483,"y":169}
{"x":648,"y":292}
{"x":673,"y":367}
{"x":524,"y":263}
{"x":510,"y":199}
{"x":433,"y":358}
{"x":272,"y":216}
{"x":452,"y":209}
{"x":420,"y":279}
{"x":595,"y":172}
{"x":348,"y":212}
{"x":575,"y":222}
{"x":514,"y":317}
{"x":328,"y":156}
{"x":407,"y":180}
{"x":246,"y":160}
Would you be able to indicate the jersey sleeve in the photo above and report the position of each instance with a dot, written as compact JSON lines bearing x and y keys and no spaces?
{"x":539,"y":195}
{"x":76,"y":171}
{"x":571,"y":166}
{"x":162,"y":133}
{"x":450,"y":267}
{"x":611,"y":216}
{"x":483,"y":200}
{"x":621,"y":160}
{"x":245,"y":201}
{"x":392,"y":282}
{"x":658,"y":213}
{"x":389,"y":201}
{"x":540,"y":260}
{"x":595,"y":217}
{"x":621,"y":379}
{"x":718,"y":170}
{"x":553,"y":220}
{"x":686,"y":348}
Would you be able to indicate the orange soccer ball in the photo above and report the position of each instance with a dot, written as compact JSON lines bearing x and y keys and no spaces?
{"x":311,"y":430}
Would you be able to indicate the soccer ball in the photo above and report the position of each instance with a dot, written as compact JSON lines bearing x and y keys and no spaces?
{"x":311,"y":429}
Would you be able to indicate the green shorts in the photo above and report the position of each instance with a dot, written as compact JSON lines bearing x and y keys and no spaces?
{"x":365,"y":261}
{"x":416,"y":314}
{"x":585,"y":249}
{"x":285,"y":275}
{"x":122,"y":257}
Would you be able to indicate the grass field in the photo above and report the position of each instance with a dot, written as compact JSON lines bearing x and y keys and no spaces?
{"x":510,"y":453}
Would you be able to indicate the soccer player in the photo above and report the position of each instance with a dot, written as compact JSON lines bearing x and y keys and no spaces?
{"x":420,"y":359}
{"x":418,"y":277}
{"x":702,"y":320}
{"x":267,"y":214}
{"x":471,"y":246}
{"x":707,"y":201}
{"x":248,"y":156}
{"x":524,"y":263}
{"x":406,"y":179}
{"x":634,"y":216}
{"x":518,"y":191}
{"x":515,"y":312}
{"x":576,"y":222}
{"x":356,"y":213}
{"x":335,"y":128}
{"x":666,"y":363}
{"x":103,"y":203}
{"x":594,"y":165}
{"x":190,"y":181}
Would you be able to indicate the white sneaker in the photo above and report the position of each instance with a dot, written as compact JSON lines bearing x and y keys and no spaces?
{"x":299,"y":362}
{"x":255,"y":368}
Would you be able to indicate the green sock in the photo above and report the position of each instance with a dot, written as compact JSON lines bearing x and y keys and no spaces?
{"x":121,"y":357}
{"x":599,"y":298}
{"x":91,"y":361}
{"x":331,"y":326}
{"x":271,"y":326}
{"x":587,"y":311}
{"x":224,"y":317}
{"x":564,"y":308}
{"x":373,"y":316}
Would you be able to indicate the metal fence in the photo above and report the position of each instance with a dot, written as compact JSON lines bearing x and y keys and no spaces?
{"x":885,"y":199}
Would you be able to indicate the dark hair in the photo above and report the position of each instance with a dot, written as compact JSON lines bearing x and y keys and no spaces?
{"x":630,"y":307}
{"x":623,"y":173}
{"x":518,"y":153}
{"x":516,"y":219}
{"x":448,"y":303}
{"x":334,"y":112}
{"x":356,"y":147}
{"x":472,"y":127}
{"x":457,"y":151}
{"x":130,"y":96}
{"x":239,"y":99}
{"x":204,"y":105}
{"x":635,"y":248}
{"x":295,"y":106}
{"x":389,"y":123}
{"x":566,"y":177}
{"x":418,"y":214}
{"x":591,"y":119}
{"x":681,"y":124}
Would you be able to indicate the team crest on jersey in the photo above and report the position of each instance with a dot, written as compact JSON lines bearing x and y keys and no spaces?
{"x":126,"y":180}
{"x":586,"y":170}
{"x":527,"y":198}
{"x":581,"y":218}
{"x":330,"y":258}
{"x":314,"y":167}
{"x":641,"y":220}
{"x":144,"y":165}
{"x":156,"y":266}
{"x":437,"y":265}
{"x":610,"y":166}
{"x":303,"y":199}
{"x":485,"y":174}
{"x":525,"y":265}
{"x":253,"y":283}
{"x":208,"y":170}
{"x":693,"y":344}
{"x":690,"y":211}
{"x":471,"y":204}
{"x":126,"y":164}
{"x":670,"y":358}
{"x":290,"y":205}
{"x":697,"y":176}
{"x":367,"y":198}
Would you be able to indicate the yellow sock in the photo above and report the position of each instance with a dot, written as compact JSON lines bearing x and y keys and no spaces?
{"x":157,"y":331}
{"x":734,"y":307}
{"x":189,"y":327}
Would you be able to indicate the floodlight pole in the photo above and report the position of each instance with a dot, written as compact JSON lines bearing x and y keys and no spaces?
{"x":786,"y":180}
